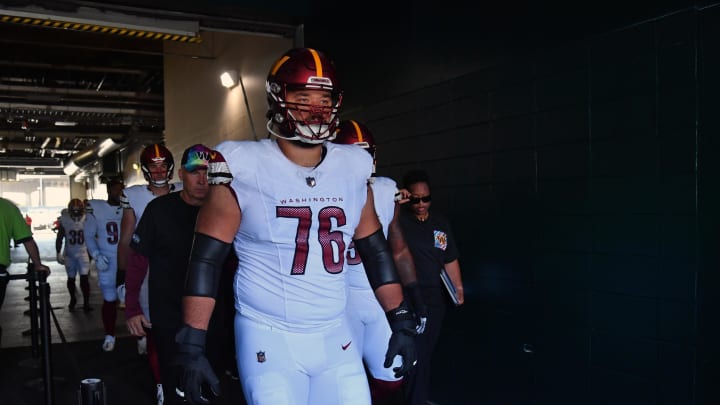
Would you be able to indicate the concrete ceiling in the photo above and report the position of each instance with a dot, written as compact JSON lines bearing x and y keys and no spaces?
{"x":63,"y":89}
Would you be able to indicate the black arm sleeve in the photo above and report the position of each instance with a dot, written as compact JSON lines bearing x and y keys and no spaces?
{"x":377,"y":259}
{"x":59,"y":239}
{"x":206,"y":264}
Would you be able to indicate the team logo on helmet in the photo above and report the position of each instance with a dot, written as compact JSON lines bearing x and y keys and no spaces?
{"x":261,"y":357}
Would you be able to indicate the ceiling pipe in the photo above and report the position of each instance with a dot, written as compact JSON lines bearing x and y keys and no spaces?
{"x":83,"y":68}
{"x":59,"y":91}
{"x":68,"y":109}
{"x":10,"y":133}
{"x":22,"y":146}
{"x":90,"y":155}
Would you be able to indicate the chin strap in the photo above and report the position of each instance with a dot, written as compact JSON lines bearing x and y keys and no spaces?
{"x":270,"y":127}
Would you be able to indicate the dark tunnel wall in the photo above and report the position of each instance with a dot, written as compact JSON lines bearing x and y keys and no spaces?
{"x":581,"y":177}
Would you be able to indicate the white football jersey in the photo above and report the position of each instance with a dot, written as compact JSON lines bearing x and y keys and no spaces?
{"x":137,"y":197}
{"x":296,"y":224}
{"x":102,"y":227}
{"x":384,"y":190}
{"x":74,"y":234}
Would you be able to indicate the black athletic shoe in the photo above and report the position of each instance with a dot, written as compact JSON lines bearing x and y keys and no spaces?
{"x":73,"y":302}
{"x":87,"y":308}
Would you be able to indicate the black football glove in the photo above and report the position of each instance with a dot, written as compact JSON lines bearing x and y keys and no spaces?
{"x":195,"y":369}
{"x":402,"y":341}
{"x":414,"y":294}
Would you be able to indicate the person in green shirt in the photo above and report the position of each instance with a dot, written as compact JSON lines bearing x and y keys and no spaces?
{"x":13,"y":226}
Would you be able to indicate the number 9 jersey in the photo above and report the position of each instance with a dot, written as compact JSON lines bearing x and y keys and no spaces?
{"x":102,"y":227}
{"x":296,"y":224}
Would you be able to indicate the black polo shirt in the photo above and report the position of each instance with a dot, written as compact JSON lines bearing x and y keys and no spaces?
{"x":431,"y":243}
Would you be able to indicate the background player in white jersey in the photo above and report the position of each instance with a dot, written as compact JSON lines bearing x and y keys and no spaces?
{"x":157,"y":165}
{"x":294,"y":204}
{"x":102,"y":234}
{"x":75,"y":256}
{"x":366,"y":316}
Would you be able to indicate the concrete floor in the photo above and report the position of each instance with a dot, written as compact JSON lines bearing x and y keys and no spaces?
{"x":80,"y":326}
{"x":125,"y":373}
{"x":76,"y":326}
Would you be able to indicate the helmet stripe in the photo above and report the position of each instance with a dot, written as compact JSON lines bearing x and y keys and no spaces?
{"x":318,"y":63}
{"x":157,"y":150}
{"x":278,"y":64}
{"x":358,"y":131}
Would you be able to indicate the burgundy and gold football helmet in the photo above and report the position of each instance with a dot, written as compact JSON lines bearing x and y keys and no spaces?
{"x":302,"y":69}
{"x":153,"y":155}
{"x":351,"y":132}
{"x":76,"y":208}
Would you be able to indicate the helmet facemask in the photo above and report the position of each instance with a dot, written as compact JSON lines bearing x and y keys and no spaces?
{"x":76,"y":208}
{"x":286,"y":120}
{"x":302,"y":70}
{"x":154,"y":156}
{"x":150,"y":176}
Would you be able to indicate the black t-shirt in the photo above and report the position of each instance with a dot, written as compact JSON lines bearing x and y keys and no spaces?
{"x":431,"y":243}
{"x":165,"y":236}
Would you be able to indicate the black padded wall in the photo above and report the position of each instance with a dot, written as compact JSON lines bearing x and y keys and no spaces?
{"x":581,"y":177}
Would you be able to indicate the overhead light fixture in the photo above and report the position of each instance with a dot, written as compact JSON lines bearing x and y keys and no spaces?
{"x":65,"y":123}
{"x":90,"y":155}
{"x":106,"y":147}
{"x":229,"y":78}
{"x":70,"y":168}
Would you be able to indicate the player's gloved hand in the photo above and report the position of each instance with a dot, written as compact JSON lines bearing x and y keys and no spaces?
{"x":102,"y":263}
{"x":121,"y":293}
{"x":402,"y":341}
{"x":414,"y":294}
{"x":60,"y":258}
{"x":195,"y":369}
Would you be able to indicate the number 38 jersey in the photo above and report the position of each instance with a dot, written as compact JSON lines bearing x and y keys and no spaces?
{"x":74,"y":234}
{"x":296,"y":224}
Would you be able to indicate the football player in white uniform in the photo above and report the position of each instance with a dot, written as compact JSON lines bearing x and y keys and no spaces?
{"x":71,"y":228}
{"x":366,"y":316}
{"x":102,"y":234}
{"x":290,"y":207}
{"x":157,"y":165}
